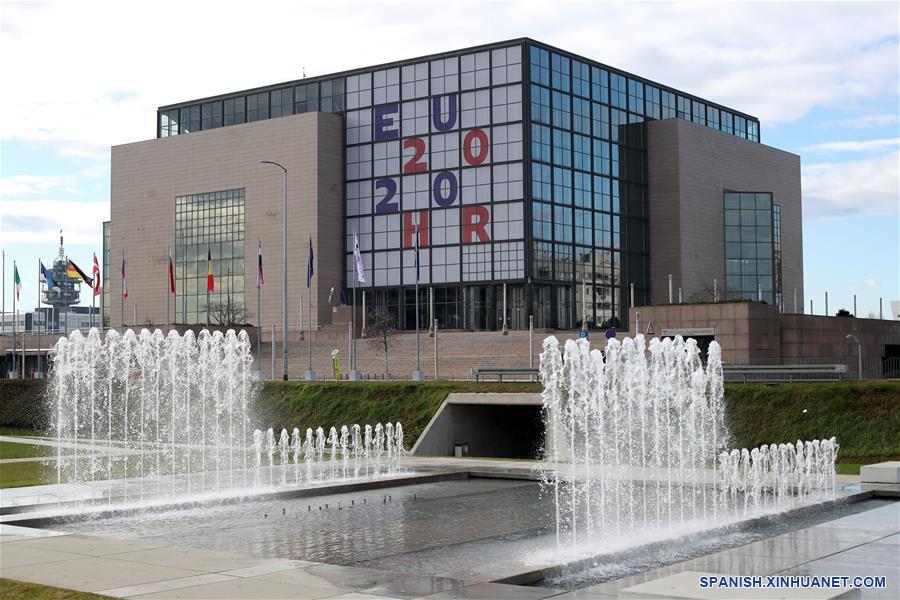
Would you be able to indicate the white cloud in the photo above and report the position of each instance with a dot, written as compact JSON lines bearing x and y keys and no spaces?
{"x":866,"y":186}
{"x":868,"y":283}
{"x":853,"y":146}
{"x":865,"y":121}
{"x":74,"y":94}
{"x":24,"y":221}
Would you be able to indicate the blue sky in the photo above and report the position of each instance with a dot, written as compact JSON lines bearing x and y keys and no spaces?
{"x":822,"y":77}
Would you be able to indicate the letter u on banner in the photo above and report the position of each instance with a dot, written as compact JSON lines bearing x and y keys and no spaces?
{"x":437,"y":113}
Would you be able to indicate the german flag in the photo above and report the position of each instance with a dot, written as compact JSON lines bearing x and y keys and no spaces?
{"x":74,"y":272}
{"x":210,"y":281}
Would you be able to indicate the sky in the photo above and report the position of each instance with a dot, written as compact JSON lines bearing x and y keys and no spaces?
{"x":823,"y":78}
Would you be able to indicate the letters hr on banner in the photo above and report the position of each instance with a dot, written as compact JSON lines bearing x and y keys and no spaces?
{"x":444,"y":184}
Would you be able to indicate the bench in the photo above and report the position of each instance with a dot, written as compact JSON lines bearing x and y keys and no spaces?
{"x":781,"y":373}
{"x":500,"y":373}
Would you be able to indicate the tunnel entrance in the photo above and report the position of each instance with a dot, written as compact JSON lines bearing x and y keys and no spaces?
{"x":490,"y":429}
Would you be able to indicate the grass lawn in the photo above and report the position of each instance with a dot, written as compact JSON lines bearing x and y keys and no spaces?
{"x":17,"y":450}
{"x":25,"y":473}
{"x":19,"y":590}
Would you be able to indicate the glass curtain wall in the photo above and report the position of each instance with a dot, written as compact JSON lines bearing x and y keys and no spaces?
{"x":209,"y":224}
{"x":750,"y":246}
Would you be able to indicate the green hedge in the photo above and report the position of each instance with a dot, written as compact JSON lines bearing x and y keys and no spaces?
{"x":863,"y":416}
{"x":22,"y":404}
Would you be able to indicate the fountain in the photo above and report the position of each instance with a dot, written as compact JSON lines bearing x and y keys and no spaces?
{"x":636,"y":446}
{"x":170,"y":416}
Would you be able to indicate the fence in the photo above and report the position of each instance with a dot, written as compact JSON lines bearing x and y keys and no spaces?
{"x":811,"y":369}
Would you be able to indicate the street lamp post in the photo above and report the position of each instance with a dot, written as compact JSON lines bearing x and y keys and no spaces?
{"x":284,"y":294}
{"x":850,"y":336}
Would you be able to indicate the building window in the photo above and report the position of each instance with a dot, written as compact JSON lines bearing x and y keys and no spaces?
{"x":540,"y":104}
{"x":654,"y":107}
{"x":235,"y":111}
{"x":540,"y":66}
{"x":668,"y":105}
{"x":684,"y":108}
{"x":581,"y":113}
{"x":541,"y":183}
{"x":540,"y":142}
{"x":636,"y":96}
{"x":189,"y":119}
{"x":562,"y":111}
{"x":618,"y":92}
{"x":750,"y":246}
{"x":559,"y":72}
{"x":306,"y":98}
{"x":210,"y":115}
{"x":562,"y":148}
{"x":168,"y":123}
{"x":776,"y":248}
{"x":257,"y":107}
{"x":333,"y":95}
{"x":282,"y":103}
{"x":209,"y":224}
{"x":581,"y":79}
{"x":599,"y":85}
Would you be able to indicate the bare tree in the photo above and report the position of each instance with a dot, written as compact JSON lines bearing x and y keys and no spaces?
{"x":228,"y":312}
{"x":706,"y":293}
{"x":382,"y":331}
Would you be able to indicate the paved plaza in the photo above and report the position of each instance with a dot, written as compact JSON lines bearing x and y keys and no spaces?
{"x":866,"y":543}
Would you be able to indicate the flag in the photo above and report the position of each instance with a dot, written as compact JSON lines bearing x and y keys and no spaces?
{"x":96,"y":274}
{"x":331,"y":293}
{"x":343,"y":298}
{"x":210,"y":280}
{"x":17,"y":281}
{"x":260,"y":280}
{"x":46,"y":277}
{"x":74,"y":272}
{"x":309,"y":265}
{"x":360,"y":269}
{"x":124,"y":279}
{"x":171,"y":275}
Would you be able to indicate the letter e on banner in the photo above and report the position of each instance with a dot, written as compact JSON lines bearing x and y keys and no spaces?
{"x":386,"y":127}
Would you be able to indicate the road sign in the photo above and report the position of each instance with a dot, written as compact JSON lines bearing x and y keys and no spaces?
{"x":583,"y":334}
{"x":650,"y":328}
{"x":610,"y":333}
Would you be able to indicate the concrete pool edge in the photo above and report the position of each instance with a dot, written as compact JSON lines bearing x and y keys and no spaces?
{"x":533,"y":576}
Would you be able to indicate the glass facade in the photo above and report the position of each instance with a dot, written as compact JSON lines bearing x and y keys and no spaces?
{"x":211,"y":223}
{"x":513,"y":163}
{"x":750,"y":246}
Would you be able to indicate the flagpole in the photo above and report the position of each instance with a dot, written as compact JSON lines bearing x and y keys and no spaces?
{"x":417,"y":375}
{"x":353,"y":318}
{"x":310,"y":270}
{"x":14,"y":320}
{"x":38,"y":314}
{"x":208,"y":269}
{"x":258,"y":305}
{"x":122,"y":311}
{"x":309,"y":316}
{"x":169,"y":287}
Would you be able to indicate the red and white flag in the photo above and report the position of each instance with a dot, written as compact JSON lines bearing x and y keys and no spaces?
{"x":96,"y":274}
{"x":171,"y":275}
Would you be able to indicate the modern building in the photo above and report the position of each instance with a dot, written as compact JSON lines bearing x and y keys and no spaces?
{"x":527,"y":175}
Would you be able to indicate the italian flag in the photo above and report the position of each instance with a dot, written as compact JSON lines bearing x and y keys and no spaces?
{"x":18,"y":282}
